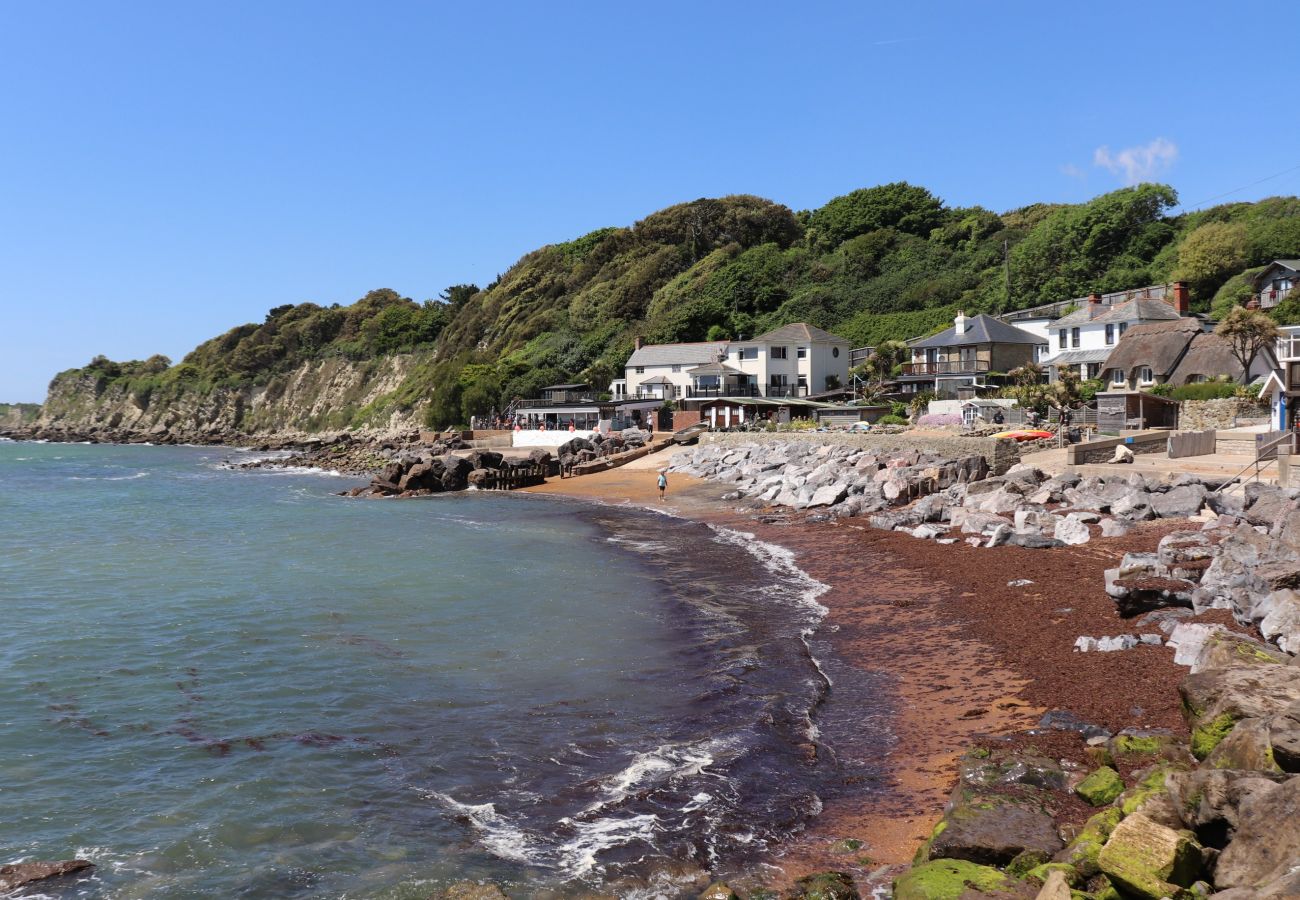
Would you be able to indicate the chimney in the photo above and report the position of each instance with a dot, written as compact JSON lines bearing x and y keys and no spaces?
{"x":639,"y":341}
{"x":959,"y":323}
{"x":1180,"y":298}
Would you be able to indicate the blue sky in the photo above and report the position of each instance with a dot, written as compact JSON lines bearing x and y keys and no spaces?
{"x":170,"y":170}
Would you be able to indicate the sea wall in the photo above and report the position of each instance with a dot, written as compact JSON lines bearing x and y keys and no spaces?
{"x":1000,"y":453}
{"x":318,"y":397}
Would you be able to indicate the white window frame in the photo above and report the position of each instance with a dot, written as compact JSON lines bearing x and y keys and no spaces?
{"x":744,"y":353}
{"x":800,"y":352}
{"x":777,"y":352}
{"x":1145,"y":375}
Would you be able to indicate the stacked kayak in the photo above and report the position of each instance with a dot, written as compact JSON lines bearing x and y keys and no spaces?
{"x":1024,"y":435}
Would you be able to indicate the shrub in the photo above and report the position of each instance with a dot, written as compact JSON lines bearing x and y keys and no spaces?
{"x":891,"y":420}
{"x":1205,"y":390}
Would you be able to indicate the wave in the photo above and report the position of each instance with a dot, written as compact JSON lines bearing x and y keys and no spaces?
{"x":108,"y":477}
{"x":498,"y":836}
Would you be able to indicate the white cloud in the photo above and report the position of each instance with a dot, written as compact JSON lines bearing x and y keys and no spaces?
{"x":1138,"y":164}
{"x":1073,"y":171}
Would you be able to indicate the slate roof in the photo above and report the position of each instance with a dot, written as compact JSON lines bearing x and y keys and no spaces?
{"x":1159,"y":345}
{"x":714,"y":368}
{"x":1143,"y":309}
{"x":980,"y":329}
{"x":799,"y":331}
{"x":1292,"y":264}
{"x":658,"y":379}
{"x":678,"y":354}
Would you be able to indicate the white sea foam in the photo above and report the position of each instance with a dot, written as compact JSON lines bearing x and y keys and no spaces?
{"x":497,"y":835}
{"x":108,"y":477}
{"x":663,"y":764}
{"x":578,"y":857}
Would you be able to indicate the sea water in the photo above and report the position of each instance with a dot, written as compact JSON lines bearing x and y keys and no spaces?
{"x":237,"y":683}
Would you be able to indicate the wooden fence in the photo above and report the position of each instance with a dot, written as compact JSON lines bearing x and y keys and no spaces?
{"x":508,"y":479}
{"x":1192,"y":443}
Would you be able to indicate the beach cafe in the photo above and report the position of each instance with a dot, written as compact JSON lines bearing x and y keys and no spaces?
{"x":731,"y":412}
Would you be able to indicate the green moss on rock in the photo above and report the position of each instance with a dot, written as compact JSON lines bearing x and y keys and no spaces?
{"x":1208,"y":735}
{"x":1025,"y":862}
{"x":827,"y":886}
{"x":1082,"y":852}
{"x":1072,"y":875}
{"x":1101,"y":787}
{"x":947,"y":879}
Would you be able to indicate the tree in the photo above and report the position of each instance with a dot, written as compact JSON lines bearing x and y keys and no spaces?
{"x":880,"y":366}
{"x":1027,"y":386}
{"x":901,"y":206}
{"x":458,"y":295}
{"x":1247,"y":332}
{"x":1209,"y":255}
{"x":1065,"y":392}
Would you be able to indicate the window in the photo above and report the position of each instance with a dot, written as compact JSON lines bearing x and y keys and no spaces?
{"x":777,"y":352}
{"x":1074,"y":337}
{"x":746,"y":353}
{"x":802,"y":353}
{"x":835,"y":352}
{"x":1144,"y":375}
{"x":640,"y":370}
{"x":779,"y":381}
{"x":1122,"y":327}
{"x":1063,"y":338}
{"x":1195,"y":379}
{"x":677,"y":368}
{"x":1094,"y":369}
{"x":1110,"y":335}
{"x":1117,"y":377}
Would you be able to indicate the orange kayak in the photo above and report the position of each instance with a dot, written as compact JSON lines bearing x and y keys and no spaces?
{"x":1023,"y":435}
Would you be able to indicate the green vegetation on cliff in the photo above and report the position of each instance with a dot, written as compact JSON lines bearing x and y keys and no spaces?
{"x":888,"y":262}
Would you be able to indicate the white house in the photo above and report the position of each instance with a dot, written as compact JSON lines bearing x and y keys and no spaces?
{"x":793,"y":361}
{"x":661,"y":371}
{"x":1282,"y":387}
{"x":1085,"y":338}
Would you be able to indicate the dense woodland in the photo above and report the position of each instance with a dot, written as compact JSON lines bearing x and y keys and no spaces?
{"x":887,"y":262}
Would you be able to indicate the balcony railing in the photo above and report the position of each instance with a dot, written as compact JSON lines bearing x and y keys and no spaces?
{"x":558,"y":400}
{"x":947,"y":367}
{"x":1272,"y":297}
{"x":747,"y":390}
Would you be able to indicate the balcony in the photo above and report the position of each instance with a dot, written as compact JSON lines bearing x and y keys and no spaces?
{"x":1272,"y":297}
{"x":746,"y":390}
{"x":947,"y":367}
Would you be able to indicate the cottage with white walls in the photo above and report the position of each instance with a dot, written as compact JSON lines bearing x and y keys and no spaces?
{"x":1084,"y":338}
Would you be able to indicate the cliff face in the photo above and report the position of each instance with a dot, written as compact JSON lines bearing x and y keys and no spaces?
{"x":18,"y":415}
{"x":317,"y":396}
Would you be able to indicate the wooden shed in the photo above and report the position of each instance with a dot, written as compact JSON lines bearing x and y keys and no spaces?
{"x":1134,"y":410}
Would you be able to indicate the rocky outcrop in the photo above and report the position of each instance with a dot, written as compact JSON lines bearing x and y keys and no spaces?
{"x":320,"y":396}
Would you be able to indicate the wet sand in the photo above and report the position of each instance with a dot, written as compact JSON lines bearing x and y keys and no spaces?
{"x":961,"y":654}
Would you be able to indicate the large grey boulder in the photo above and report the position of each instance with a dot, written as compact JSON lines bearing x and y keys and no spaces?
{"x":1266,"y":845}
{"x":1180,"y":502}
{"x":16,"y":875}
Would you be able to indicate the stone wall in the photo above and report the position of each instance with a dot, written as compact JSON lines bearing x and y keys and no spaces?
{"x":1202,"y":415}
{"x":1102,"y":450}
{"x":685,"y":418}
{"x":1001,"y":454}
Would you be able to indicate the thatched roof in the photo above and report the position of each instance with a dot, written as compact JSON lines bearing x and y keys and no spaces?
{"x":1209,"y":355}
{"x":1159,"y":345}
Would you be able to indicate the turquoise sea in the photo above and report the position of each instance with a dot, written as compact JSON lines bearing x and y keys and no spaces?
{"x":239,"y":684}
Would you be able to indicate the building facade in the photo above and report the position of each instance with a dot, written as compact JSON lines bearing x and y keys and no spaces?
{"x":970,"y":356}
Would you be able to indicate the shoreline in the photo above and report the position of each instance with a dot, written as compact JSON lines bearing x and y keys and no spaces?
{"x":963,"y":658}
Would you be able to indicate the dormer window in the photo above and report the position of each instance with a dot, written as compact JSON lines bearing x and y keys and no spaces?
{"x":1144,"y":375}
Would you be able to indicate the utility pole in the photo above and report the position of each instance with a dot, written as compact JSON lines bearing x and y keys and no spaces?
{"x":1006,"y":269}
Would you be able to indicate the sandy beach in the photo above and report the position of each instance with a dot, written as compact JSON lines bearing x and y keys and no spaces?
{"x":964,"y":657}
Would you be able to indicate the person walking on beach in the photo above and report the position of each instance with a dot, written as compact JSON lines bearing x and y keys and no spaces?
{"x":663,"y":484}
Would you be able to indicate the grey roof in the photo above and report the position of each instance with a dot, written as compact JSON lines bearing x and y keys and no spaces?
{"x":714,"y":368}
{"x":678,"y":354}
{"x":1143,"y":309}
{"x":800,"y":331}
{"x":563,"y":387}
{"x":1292,"y":264}
{"x":658,"y":379}
{"x":1078,"y":357}
{"x":980,"y":329}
